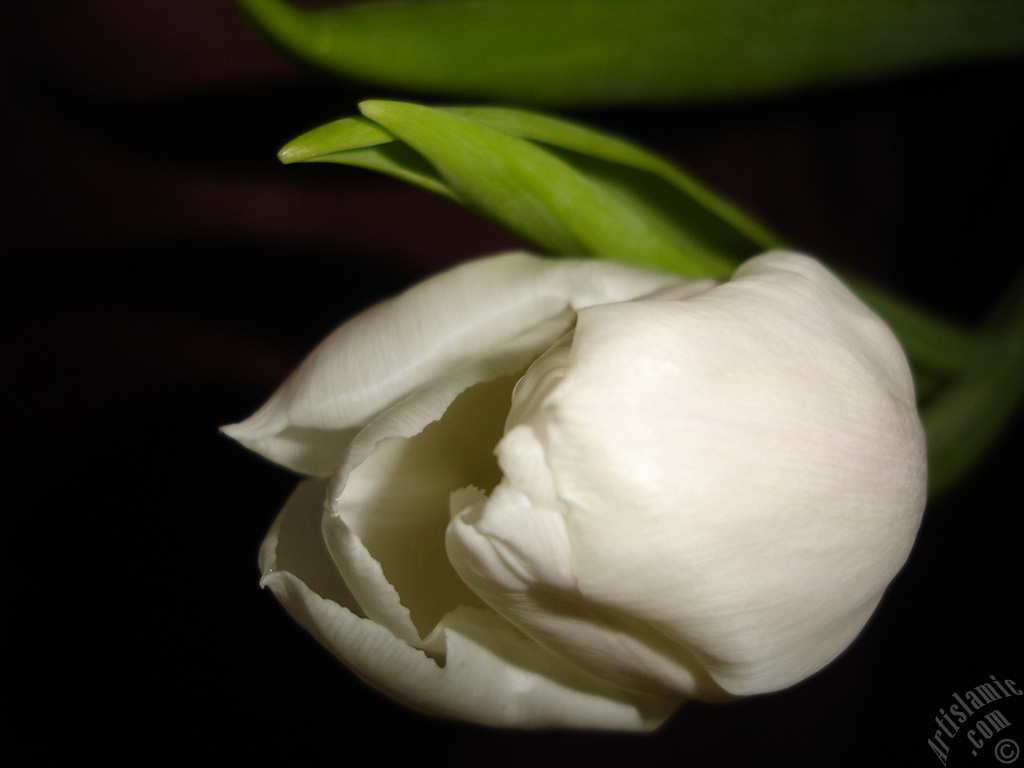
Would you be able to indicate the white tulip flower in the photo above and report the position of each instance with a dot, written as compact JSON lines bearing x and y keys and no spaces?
{"x":572,"y":493}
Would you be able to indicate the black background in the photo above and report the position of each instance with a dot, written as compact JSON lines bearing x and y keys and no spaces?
{"x":162,"y":273}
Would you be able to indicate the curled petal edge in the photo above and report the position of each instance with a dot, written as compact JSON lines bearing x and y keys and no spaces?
{"x":474,"y":666}
{"x":422,"y":336}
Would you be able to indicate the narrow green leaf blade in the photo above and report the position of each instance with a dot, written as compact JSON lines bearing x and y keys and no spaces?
{"x":716,"y":210}
{"x":585,"y":52}
{"x":539,"y":195}
{"x":362,"y":143}
{"x":398,"y":161}
{"x":338,"y":136}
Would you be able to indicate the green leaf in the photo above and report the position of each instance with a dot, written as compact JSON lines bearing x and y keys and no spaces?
{"x":709,"y":211}
{"x":586,"y":52}
{"x":363,"y":143}
{"x":543,"y":196}
{"x":348,"y":133}
{"x":557,"y":197}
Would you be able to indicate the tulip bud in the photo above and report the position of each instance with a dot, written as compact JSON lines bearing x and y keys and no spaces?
{"x":574,"y":493}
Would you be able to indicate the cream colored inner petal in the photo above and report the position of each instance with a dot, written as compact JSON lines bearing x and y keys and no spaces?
{"x":397,"y":500}
{"x":317,"y":450}
{"x":300,"y":548}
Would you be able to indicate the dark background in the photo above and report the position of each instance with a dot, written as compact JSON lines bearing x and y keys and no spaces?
{"x":162,"y":273}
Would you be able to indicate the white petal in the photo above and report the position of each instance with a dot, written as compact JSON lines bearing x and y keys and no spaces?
{"x":458,"y":318}
{"x":785,"y":447}
{"x":744,"y":481}
{"x":295,"y":542}
{"x":480,"y":668}
{"x":519,"y":558}
{"x":387,"y":521}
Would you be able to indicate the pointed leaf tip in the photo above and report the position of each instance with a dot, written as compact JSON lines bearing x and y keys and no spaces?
{"x":343,"y":135}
